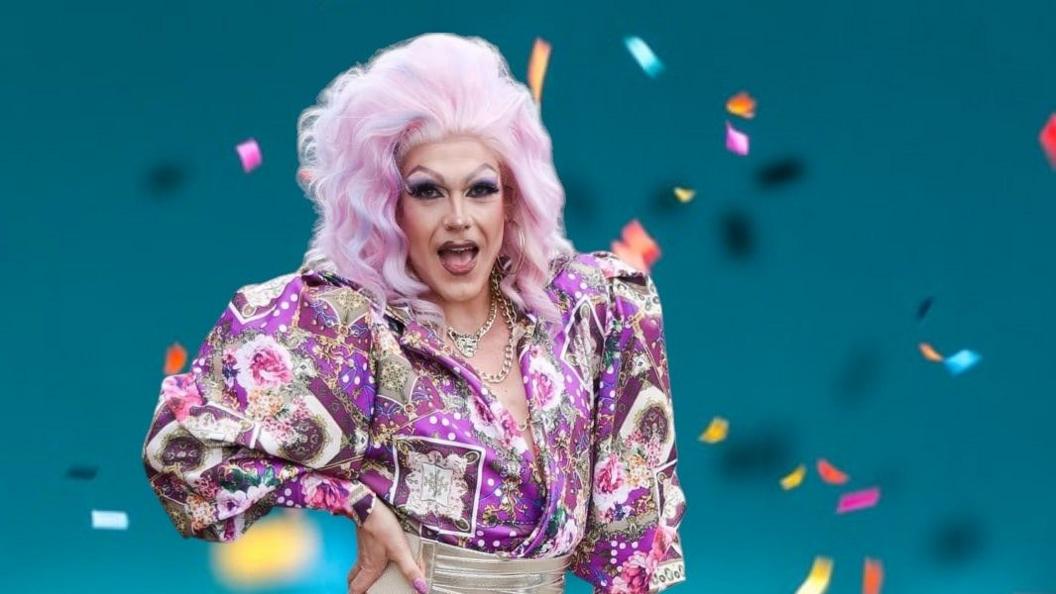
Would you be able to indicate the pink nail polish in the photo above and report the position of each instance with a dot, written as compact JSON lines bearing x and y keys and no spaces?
{"x":421,"y":586}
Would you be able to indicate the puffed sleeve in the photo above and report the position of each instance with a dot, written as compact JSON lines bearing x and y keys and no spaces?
{"x":631,"y":542}
{"x":275,"y":411}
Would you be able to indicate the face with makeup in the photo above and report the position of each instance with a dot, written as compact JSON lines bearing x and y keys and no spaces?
{"x":452,"y":211}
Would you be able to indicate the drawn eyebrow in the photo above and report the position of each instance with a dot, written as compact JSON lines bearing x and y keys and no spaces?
{"x":441,"y":178}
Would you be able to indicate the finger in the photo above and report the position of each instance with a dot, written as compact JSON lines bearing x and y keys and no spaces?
{"x":368,"y":574}
{"x":410,"y":569}
{"x":352,"y":573}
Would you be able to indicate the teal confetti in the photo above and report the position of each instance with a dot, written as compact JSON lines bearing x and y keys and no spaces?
{"x":644,"y":55}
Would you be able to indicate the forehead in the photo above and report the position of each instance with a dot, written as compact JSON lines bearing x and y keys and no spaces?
{"x":452,"y":154}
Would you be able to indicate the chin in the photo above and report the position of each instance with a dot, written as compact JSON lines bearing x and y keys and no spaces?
{"x":452,"y":294}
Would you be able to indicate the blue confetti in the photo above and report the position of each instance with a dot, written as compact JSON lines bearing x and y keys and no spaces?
{"x":644,"y":55}
{"x":962,"y":361}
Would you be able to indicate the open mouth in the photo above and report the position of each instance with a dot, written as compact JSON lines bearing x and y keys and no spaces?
{"x":458,"y":257}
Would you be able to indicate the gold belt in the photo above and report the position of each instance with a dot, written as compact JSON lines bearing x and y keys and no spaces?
{"x":454,"y":570}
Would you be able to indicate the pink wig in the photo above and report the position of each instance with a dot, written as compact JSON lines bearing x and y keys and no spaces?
{"x":425,"y":89}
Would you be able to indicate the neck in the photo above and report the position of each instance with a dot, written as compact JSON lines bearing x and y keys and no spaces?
{"x":467,"y":316}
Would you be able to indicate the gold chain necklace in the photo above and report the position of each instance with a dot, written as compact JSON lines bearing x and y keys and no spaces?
{"x":507,"y":355}
{"x":467,"y":343}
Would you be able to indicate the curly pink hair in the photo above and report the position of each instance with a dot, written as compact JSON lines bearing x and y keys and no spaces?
{"x":424,"y":89}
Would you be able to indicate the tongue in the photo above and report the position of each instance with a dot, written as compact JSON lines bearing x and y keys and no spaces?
{"x":459,"y":258}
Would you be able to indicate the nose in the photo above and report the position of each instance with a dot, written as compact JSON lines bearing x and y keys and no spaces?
{"x":455,"y":219}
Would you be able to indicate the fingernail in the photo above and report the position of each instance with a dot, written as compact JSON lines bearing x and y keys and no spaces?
{"x":421,"y":586}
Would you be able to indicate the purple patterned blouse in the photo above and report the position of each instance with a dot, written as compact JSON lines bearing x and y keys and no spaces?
{"x":302,"y":395}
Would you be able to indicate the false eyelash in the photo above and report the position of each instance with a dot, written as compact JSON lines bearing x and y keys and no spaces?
{"x":488,"y":188}
{"x":418,"y":190}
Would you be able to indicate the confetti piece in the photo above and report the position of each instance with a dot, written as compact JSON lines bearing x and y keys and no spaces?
{"x":644,"y":55}
{"x":780,"y":171}
{"x":924,"y":308}
{"x":872,"y":577}
{"x":280,"y":548}
{"x":830,"y":474}
{"x":929,"y":353}
{"x":818,"y":580}
{"x":636,"y":247}
{"x":742,"y":104}
{"x":249,"y":153}
{"x":109,"y":520}
{"x":537,"y":67}
{"x":165,"y":178}
{"x":716,"y":431}
{"x":175,"y":359}
{"x":962,"y":361}
{"x":82,"y":473}
{"x":1048,"y":140}
{"x":794,"y":478}
{"x":736,"y":141}
{"x":857,"y":500}
{"x":684,"y":195}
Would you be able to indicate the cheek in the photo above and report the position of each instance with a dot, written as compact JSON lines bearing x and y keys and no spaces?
{"x":493,"y":220}
{"x":415,"y":225}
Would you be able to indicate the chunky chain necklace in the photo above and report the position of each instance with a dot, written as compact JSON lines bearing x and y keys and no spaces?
{"x":507,"y":355}
{"x":467,"y":343}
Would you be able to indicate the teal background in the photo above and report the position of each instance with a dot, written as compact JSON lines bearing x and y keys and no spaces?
{"x":127,"y":223}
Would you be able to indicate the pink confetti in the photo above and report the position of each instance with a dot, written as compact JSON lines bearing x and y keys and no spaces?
{"x":736,"y":141}
{"x":249,"y":153}
{"x":857,"y":500}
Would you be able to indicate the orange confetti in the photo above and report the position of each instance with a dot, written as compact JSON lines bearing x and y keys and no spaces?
{"x":929,"y":353}
{"x":636,"y":247}
{"x":175,"y":359}
{"x":872,"y":577}
{"x":537,"y":67}
{"x":742,"y":104}
{"x":830,"y":474}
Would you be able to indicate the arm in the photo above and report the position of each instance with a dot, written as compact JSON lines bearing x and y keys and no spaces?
{"x":275,"y":411}
{"x":636,"y":501}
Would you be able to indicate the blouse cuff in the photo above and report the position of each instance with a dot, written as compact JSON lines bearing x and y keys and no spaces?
{"x":361,"y":503}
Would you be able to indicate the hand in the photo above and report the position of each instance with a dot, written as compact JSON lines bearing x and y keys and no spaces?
{"x":379,"y":540}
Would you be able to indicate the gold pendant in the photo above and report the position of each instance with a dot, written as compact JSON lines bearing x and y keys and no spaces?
{"x":467,"y":345}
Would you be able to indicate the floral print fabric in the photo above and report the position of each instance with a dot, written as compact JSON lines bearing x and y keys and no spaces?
{"x":303,"y":395}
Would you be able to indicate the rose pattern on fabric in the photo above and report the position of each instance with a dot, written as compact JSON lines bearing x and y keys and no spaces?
{"x":263,"y":363}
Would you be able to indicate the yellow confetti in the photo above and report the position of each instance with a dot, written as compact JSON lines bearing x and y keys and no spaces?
{"x":277,"y":549}
{"x":716,"y":431}
{"x":818,"y":580}
{"x":684,"y":194}
{"x":794,"y":478}
{"x":537,"y":67}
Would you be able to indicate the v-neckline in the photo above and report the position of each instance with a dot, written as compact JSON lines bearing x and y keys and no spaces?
{"x":435,"y":346}
{"x":416,"y":335}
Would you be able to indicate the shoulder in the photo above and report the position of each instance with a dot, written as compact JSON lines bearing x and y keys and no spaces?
{"x":606,"y":279}
{"x":600,"y":269}
{"x":307,"y":299}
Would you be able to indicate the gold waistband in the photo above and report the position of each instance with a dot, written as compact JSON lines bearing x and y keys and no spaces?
{"x":454,"y":570}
